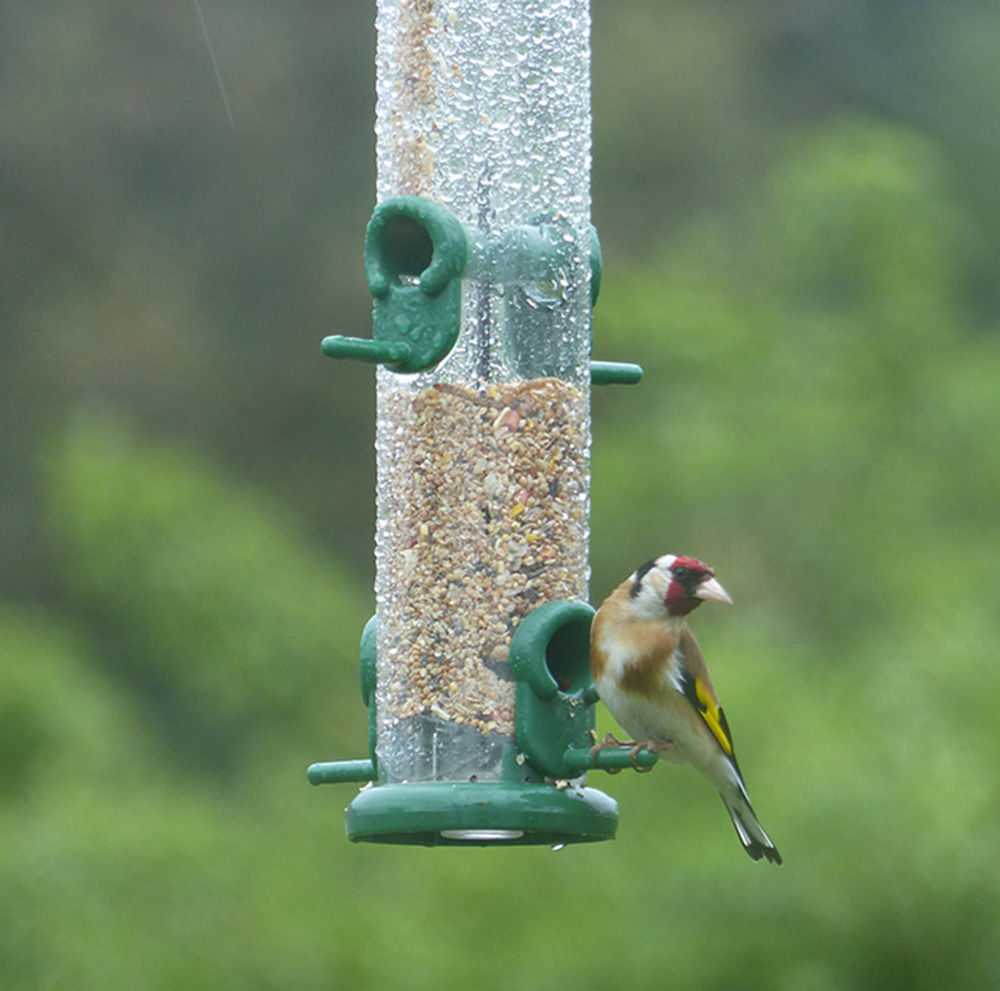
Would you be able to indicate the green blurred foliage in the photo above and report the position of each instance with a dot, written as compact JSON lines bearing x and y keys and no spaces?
{"x":209,"y":600}
{"x":800,"y":253}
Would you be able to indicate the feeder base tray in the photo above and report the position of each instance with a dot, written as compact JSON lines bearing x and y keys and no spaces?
{"x":499,"y":813}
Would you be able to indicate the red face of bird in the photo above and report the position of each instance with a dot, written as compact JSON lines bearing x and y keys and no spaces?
{"x":674,"y":584}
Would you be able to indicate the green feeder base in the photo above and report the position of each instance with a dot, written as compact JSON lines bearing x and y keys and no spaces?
{"x":481,"y":814}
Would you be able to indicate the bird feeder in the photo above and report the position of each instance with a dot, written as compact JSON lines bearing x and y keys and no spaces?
{"x":483,"y":267}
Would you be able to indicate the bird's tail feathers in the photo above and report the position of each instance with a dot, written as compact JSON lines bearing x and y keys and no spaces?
{"x":755,"y":841}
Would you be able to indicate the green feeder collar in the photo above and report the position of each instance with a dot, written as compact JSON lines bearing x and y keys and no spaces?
{"x":416,"y":254}
{"x":541,"y":799}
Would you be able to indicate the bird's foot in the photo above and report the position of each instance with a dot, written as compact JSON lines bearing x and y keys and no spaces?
{"x":608,"y":741}
{"x":656,"y":746}
{"x":634,"y":747}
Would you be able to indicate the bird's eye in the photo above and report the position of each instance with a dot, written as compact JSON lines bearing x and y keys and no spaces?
{"x":682,"y":573}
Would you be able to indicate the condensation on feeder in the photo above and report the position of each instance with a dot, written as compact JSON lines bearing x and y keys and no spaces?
{"x":483,"y":461}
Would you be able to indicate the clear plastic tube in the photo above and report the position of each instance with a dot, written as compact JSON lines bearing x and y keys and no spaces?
{"x":483,"y":461}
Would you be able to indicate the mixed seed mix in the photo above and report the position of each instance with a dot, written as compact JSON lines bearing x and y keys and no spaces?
{"x":482,"y":516}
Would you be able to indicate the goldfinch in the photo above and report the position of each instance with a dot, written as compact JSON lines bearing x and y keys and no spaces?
{"x":650,"y":674}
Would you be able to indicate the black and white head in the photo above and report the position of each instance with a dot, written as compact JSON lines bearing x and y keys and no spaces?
{"x":674,"y":584}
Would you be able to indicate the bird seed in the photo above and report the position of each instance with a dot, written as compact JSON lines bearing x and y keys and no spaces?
{"x":482,"y":515}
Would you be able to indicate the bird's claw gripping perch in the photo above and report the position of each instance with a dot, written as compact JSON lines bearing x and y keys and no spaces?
{"x":608,"y":741}
{"x":635,"y":747}
{"x":652,"y":745}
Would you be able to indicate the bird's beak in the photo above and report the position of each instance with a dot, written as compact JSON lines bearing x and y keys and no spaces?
{"x":712,"y":591}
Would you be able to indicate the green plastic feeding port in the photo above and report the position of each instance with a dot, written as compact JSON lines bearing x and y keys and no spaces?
{"x":415,"y":254}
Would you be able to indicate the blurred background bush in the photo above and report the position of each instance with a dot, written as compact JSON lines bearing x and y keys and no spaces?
{"x":801,"y":223}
